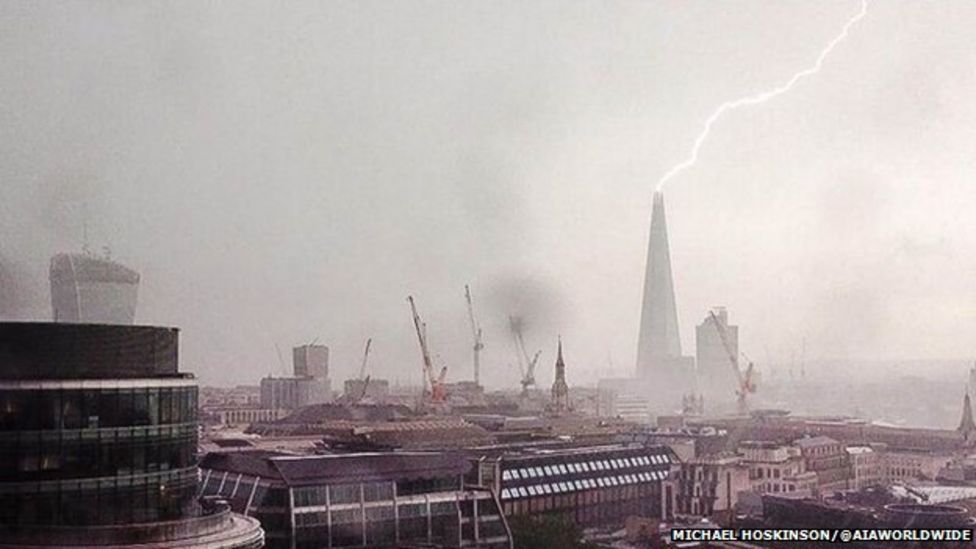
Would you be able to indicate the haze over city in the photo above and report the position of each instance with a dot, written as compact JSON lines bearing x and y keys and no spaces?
{"x":281,"y":176}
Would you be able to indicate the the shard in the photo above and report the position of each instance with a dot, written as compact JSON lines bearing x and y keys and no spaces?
{"x":658,"y":345}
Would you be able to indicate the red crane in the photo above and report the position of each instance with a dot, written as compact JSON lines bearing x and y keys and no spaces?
{"x":746,"y":385}
{"x":437,"y":392}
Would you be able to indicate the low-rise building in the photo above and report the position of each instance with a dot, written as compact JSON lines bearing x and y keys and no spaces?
{"x":358,"y":499}
{"x":866,"y":467}
{"x":710,"y":486}
{"x":826,"y":457}
{"x":776,"y":468}
{"x":906,"y":465}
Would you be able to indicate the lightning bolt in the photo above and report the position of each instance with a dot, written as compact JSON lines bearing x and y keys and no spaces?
{"x":762,"y":97}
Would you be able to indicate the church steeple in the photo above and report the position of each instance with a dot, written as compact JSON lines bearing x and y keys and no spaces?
{"x":560,"y":389}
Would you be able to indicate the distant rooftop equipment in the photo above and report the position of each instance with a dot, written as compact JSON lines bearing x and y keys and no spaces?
{"x":92,"y":290}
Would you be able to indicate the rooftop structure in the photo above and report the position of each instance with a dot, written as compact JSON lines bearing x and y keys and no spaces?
{"x":593,"y":485}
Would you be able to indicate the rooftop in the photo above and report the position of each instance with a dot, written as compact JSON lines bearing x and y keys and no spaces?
{"x":338,"y":468}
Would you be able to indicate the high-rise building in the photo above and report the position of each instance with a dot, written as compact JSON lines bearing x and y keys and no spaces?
{"x":311,"y":361}
{"x":717,"y":380}
{"x":92,"y":290}
{"x":98,"y":442}
{"x":659,"y":358}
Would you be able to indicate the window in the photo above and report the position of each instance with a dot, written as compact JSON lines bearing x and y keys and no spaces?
{"x":548,"y":470}
{"x":562,"y":469}
{"x":506,"y":475}
{"x":505,"y":493}
{"x":531,"y":490}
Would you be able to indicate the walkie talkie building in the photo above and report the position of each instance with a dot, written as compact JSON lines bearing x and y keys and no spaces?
{"x":87,"y":288}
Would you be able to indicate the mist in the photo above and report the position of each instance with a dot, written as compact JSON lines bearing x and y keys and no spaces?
{"x":278,"y":176}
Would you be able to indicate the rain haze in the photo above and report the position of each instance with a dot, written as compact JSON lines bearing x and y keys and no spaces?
{"x":280,"y":176}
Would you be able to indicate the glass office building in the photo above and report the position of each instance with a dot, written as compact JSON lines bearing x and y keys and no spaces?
{"x":388,"y":499}
{"x":97,"y":427}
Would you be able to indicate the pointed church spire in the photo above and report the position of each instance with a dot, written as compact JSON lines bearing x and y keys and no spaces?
{"x":560,"y":389}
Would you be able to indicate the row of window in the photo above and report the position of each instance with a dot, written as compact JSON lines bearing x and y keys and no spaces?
{"x":96,"y":408}
{"x":584,"y":467}
{"x":53,"y":459}
{"x":121,"y":505}
{"x":581,"y":484}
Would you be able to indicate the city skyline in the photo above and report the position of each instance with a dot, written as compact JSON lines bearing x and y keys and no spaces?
{"x":824,"y":216}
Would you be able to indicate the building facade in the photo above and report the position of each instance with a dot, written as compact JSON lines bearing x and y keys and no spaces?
{"x":710,"y":486}
{"x":599,"y":485}
{"x":98,"y":437}
{"x":311,"y":361}
{"x":359,"y":499}
{"x":717,"y":381}
{"x":776,"y":468}
{"x":828,"y":459}
{"x":289,"y":393}
{"x":866,"y":467}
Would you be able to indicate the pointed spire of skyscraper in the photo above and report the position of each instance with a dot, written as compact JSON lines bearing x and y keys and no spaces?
{"x":658,"y":342}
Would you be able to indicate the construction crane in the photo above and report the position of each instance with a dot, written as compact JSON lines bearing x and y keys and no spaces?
{"x":476,"y":334}
{"x":362,"y":367}
{"x":526,"y":364}
{"x":362,"y":393}
{"x":744,"y":380}
{"x":437,"y":390}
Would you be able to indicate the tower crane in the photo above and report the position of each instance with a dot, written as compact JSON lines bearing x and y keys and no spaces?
{"x":744,"y":380}
{"x":476,"y":334}
{"x":526,"y":364}
{"x":362,"y":367}
{"x":437,"y":391}
{"x":362,"y":374}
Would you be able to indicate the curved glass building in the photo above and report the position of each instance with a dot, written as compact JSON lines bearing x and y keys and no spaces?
{"x":97,"y":427}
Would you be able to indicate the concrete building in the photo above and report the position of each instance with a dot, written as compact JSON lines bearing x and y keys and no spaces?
{"x":98,"y":439}
{"x":659,"y":358}
{"x":289,"y":393}
{"x":709,"y":486}
{"x":93,"y":290}
{"x":776,"y":468}
{"x":900,"y":465}
{"x":311,"y":361}
{"x":402,"y":499}
{"x":591,"y":485}
{"x":866,"y":467}
{"x":626,"y":398}
{"x":717,"y":381}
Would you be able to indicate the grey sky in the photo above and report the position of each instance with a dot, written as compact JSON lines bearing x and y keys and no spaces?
{"x":279,"y":173}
